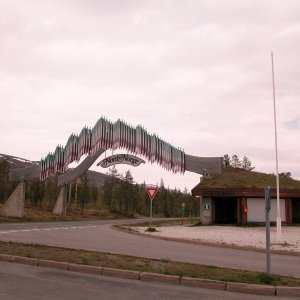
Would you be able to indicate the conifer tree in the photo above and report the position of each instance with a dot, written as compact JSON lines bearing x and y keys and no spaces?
{"x":235,"y":161}
{"x":246,"y":164}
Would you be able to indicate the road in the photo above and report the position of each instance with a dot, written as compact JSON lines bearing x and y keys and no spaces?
{"x":20,"y":282}
{"x":98,"y":236}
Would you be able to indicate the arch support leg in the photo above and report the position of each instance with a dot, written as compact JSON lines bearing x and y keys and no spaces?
{"x":14,"y":206}
{"x":60,"y":207}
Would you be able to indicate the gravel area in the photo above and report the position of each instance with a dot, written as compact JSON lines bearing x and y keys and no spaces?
{"x":232,"y":235}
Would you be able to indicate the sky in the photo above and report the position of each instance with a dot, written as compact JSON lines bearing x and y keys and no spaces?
{"x":197,"y":73}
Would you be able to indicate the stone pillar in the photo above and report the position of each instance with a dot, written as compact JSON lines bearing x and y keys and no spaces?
{"x":60,"y":206}
{"x":206,"y":211}
{"x":14,"y":206}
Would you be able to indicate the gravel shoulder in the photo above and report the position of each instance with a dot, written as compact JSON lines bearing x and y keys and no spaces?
{"x":253,"y":237}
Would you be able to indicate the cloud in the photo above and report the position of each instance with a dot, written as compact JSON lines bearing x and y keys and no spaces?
{"x":293,"y":124}
{"x":197,"y":73}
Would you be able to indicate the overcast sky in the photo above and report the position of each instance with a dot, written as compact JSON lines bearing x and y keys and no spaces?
{"x":197,"y":73}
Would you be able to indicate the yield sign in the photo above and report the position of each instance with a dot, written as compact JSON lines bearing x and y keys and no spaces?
{"x":151,"y":191}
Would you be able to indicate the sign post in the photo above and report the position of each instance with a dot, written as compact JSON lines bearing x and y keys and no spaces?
{"x":268,"y":208}
{"x":151,"y":191}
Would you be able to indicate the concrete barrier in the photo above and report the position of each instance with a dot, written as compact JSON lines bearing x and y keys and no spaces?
{"x":250,"y":288}
{"x":53,"y":264}
{"x":203,"y":283}
{"x":170,"y":279}
{"x":85,"y":269}
{"x":288,"y":291}
{"x":5,"y":257}
{"x":25,"y":260}
{"x":121,"y":273}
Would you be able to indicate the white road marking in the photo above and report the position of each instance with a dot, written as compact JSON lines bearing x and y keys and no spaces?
{"x":46,"y":229}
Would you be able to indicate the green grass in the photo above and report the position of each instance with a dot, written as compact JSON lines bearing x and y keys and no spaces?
{"x":268,"y":279}
{"x":168,"y":222}
{"x":37,"y":214}
{"x":162,"y":266}
{"x":239,"y":178}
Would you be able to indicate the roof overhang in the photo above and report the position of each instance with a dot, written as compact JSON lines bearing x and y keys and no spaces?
{"x":242,"y":192}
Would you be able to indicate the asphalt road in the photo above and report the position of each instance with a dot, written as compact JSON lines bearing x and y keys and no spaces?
{"x":20,"y":282}
{"x":98,"y":236}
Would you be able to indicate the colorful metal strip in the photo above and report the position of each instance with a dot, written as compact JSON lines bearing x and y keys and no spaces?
{"x":108,"y":135}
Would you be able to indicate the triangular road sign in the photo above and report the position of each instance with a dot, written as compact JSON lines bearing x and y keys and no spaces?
{"x":151,"y":191}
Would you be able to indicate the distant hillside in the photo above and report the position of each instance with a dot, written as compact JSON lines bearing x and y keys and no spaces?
{"x":17,"y":162}
{"x":95,"y":178}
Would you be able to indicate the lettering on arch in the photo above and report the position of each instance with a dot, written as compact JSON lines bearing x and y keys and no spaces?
{"x":120,"y":159}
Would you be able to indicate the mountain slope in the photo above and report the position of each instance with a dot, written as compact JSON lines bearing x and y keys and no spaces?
{"x":17,"y":162}
{"x":95,"y":178}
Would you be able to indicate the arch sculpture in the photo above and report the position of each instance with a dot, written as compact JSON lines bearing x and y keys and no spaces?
{"x":118,"y":135}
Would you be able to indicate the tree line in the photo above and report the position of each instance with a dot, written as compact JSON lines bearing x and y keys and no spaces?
{"x":245,"y":163}
{"x":119,"y":194}
{"x":235,"y":162}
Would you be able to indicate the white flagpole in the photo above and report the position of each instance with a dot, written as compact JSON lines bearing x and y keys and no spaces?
{"x":278,"y":218}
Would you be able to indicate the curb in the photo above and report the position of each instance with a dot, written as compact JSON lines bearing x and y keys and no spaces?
{"x":158,"y":278}
{"x":53,"y":264}
{"x":203,"y":283}
{"x":128,"y":274}
{"x":251,"y":288}
{"x":24,"y":260}
{"x":154,"y":277}
{"x":288,"y":291}
{"x":85,"y":269}
{"x":4,"y":257}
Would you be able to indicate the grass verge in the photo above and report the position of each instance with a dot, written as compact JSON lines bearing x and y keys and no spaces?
{"x":35,"y":214}
{"x":171,"y":222}
{"x":162,"y":266}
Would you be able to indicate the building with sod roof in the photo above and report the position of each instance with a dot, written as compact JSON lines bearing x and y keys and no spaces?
{"x":236,"y":196}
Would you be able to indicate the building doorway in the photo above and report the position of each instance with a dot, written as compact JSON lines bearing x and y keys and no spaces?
{"x":296,"y":211}
{"x":225,"y":210}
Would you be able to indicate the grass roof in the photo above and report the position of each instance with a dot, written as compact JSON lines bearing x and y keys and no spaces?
{"x":239,"y":178}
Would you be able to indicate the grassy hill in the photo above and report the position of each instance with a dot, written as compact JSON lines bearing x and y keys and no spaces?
{"x":239,"y":178}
